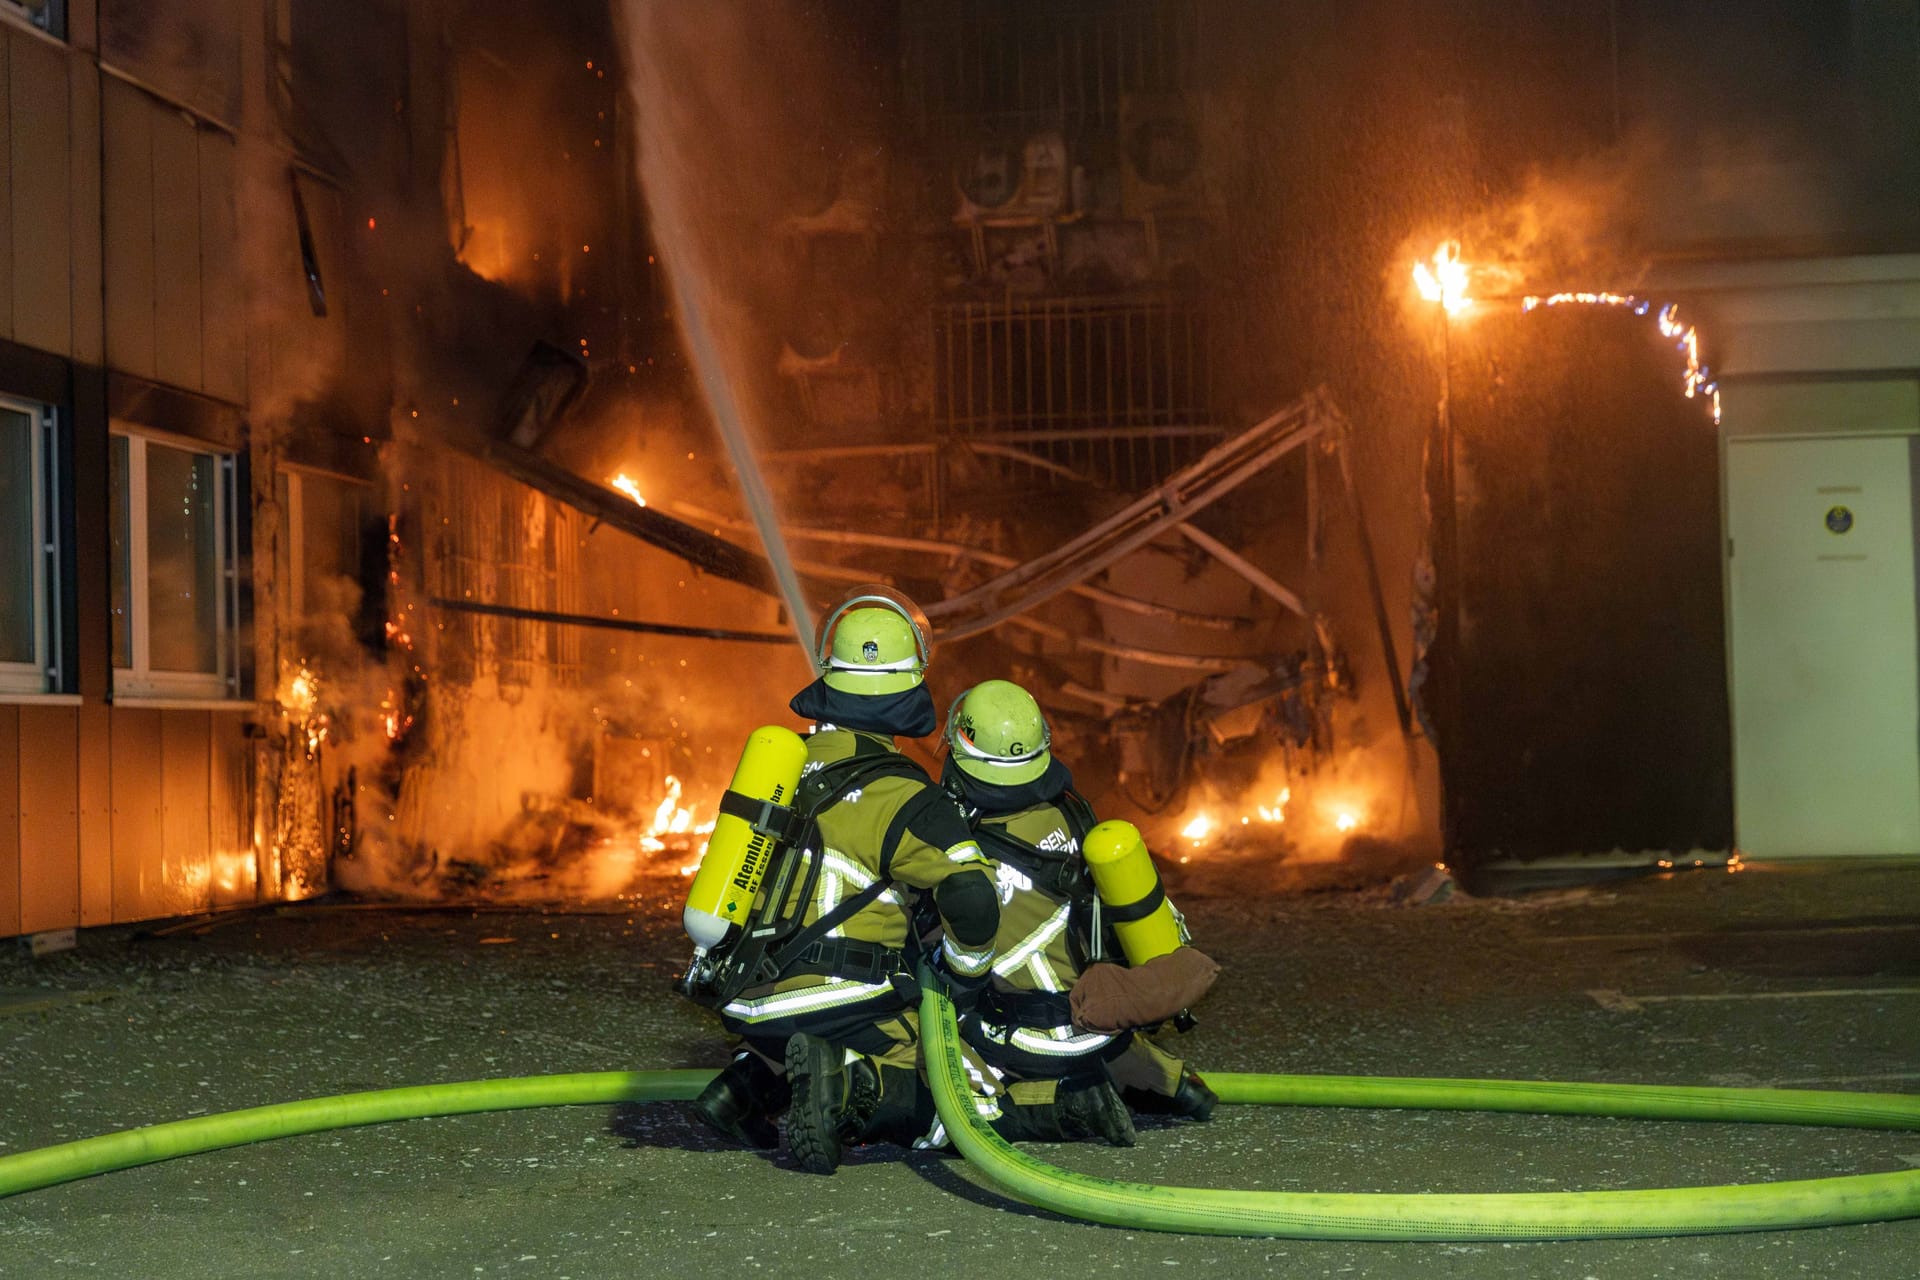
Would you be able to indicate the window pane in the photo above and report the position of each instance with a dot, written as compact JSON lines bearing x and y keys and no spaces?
{"x":17,"y":540}
{"x":183,"y":562}
{"x":120,"y":565}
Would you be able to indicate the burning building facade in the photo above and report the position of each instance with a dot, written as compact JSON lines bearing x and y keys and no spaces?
{"x":299,"y":533}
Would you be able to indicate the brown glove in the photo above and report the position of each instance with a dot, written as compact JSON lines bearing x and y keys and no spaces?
{"x":1109,"y":999}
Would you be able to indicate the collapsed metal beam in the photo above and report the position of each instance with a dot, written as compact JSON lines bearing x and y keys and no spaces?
{"x":1189,"y":490}
{"x":1250,"y":572}
{"x":608,"y":624}
{"x":960,"y":551}
{"x":696,"y":546}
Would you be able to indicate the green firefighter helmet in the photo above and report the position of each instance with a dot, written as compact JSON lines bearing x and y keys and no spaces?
{"x":997,"y":734}
{"x":874,"y":642}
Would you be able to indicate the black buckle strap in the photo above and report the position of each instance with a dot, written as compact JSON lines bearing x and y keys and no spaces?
{"x":1136,"y":910}
{"x":768,"y":817}
{"x":847,"y":958}
{"x":1026,"y":1008}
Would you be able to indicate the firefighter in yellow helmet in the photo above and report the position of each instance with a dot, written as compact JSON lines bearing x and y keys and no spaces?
{"x":1021,"y":804}
{"x":832,"y":1035}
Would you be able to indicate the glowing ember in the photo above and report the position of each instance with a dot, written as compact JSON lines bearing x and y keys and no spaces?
{"x":302,"y":693}
{"x":1345,"y":822}
{"x":629,"y":486}
{"x":1278,"y":812}
{"x":1445,"y":282}
{"x":1696,"y":379}
{"x":1197,"y":830}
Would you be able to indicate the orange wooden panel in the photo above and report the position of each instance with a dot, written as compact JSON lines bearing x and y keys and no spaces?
{"x":184,"y":791}
{"x":95,"y":751}
{"x":230,"y":833}
{"x":126,"y":123}
{"x":136,"y":814}
{"x":9,"y":821}
{"x":83,"y":165}
{"x":224,"y":349}
{"x":42,"y":236}
{"x":6,"y":183}
{"x":49,"y":818}
{"x":176,"y":251}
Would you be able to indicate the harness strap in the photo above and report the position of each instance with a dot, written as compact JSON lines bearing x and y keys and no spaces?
{"x":767,"y":817}
{"x":1027,"y":1008}
{"x":847,"y":958}
{"x":1137,"y":910}
{"x":791,"y":951}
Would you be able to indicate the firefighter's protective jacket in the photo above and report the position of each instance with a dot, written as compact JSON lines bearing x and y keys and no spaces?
{"x":899,"y":828}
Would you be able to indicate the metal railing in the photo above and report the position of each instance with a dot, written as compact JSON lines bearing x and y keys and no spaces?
{"x":1119,"y":389}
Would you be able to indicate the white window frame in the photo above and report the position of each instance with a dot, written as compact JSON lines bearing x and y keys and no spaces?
{"x":140,"y":681}
{"x":42,"y":674}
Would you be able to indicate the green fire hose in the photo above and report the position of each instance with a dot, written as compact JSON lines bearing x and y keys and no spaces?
{"x":1300,"y":1215}
{"x":1550,"y":1215}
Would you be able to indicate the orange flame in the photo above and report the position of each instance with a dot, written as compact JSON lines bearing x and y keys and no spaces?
{"x":1696,"y":380}
{"x":671,"y":818}
{"x":629,"y":486}
{"x":1445,"y":282}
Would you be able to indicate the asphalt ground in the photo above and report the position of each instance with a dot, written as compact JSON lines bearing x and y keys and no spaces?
{"x":1797,"y":978}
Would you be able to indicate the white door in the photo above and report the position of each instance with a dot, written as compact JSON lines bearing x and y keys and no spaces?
{"x":1822,"y":634}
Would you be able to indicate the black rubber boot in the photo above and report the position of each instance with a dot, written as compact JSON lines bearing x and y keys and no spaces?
{"x":832,"y":1101}
{"x":742,"y":1101}
{"x":904,"y":1113}
{"x":1193,"y":1099}
{"x":1029,"y":1122}
{"x":1095,"y":1111}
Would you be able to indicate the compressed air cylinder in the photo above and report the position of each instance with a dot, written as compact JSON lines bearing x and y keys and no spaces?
{"x":737,"y":855}
{"x":1131,"y":898}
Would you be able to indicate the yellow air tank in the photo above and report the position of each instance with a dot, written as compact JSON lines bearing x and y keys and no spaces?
{"x":1130,"y":894}
{"x":737,"y":855}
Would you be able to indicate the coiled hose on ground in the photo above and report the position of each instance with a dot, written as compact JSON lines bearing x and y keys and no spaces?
{"x":1559,"y":1215}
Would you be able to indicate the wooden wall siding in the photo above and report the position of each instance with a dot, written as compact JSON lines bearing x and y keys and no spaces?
{"x":134,"y":762}
{"x":49,"y":818}
{"x":176,"y":249}
{"x":9,"y":820}
{"x":185,"y":871}
{"x":96,"y":813}
{"x":223,"y":324}
{"x":126,"y":123}
{"x":6,"y":182}
{"x":175,"y":309}
{"x":83,"y":129}
{"x":39,"y":190}
{"x":235,"y":876}
{"x":115,"y":814}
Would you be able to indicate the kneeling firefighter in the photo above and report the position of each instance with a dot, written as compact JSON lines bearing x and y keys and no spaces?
{"x":819,"y":985}
{"x":1054,"y":1014}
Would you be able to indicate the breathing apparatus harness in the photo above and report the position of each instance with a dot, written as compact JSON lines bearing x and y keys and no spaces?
{"x":1059,"y":873}
{"x":775,"y":941}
